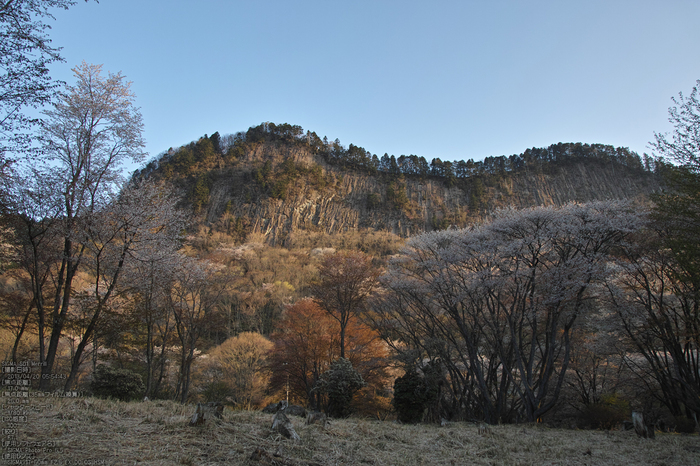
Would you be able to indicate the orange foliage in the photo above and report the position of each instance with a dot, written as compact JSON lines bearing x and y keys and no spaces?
{"x":346,"y":281}
{"x":308,"y":342}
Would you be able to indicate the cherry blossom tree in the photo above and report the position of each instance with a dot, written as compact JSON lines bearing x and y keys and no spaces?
{"x":497,"y":304}
{"x":658,"y":309}
{"x":656,"y":291}
{"x":90,"y":132}
{"x":678,"y":206}
{"x":87,"y":136}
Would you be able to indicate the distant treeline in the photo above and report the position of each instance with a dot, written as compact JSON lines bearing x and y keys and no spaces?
{"x":205,"y":152}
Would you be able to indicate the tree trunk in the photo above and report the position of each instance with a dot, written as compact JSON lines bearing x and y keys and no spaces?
{"x":19,"y":334}
{"x":62,"y":303}
{"x":161,"y":361}
{"x":149,"y":357}
{"x":75,"y":363}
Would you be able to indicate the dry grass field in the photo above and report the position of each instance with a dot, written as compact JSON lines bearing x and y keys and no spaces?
{"x":95,"y":431}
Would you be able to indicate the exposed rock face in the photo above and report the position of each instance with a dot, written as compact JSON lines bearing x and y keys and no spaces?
{"x":581,"y":182}
{"x":353,"y":201}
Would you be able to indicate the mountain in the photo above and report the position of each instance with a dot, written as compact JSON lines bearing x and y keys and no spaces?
{"x":281,"y":182}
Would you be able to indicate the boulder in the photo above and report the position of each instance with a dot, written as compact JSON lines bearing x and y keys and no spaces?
{"x":282,"y":425}
{"x":272,"y":408}
{"x":642,"y":430}
{"x":484,"y":429}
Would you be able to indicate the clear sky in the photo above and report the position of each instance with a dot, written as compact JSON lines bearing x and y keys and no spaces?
{"x":448,"y":79}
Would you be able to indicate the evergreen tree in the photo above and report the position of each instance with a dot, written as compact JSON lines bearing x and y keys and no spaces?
{"x":340,"y":383}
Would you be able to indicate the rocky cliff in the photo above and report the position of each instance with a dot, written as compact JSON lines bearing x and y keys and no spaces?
{"x":319,"y":197}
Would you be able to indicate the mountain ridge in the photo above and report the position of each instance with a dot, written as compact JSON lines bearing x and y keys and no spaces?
{"x":276,"y":180}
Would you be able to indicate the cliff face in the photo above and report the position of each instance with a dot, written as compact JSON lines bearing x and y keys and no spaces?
{"x":582,"y":182}
{"x":339,"y":200}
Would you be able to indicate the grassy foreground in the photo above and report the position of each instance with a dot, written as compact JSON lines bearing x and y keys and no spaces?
{"x":95,"y":431}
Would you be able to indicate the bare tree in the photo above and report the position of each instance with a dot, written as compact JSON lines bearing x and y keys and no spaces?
{"x":142,"y":218}
{"x":346,"y":281}
{"x":193,"y":301}
{"x":35,"y":208}
{"x":16,"y":308}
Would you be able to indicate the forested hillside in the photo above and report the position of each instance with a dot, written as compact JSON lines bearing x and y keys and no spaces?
{"x":273,"y":267}
{"x":250,"y":267}
{"x":284,"y":183}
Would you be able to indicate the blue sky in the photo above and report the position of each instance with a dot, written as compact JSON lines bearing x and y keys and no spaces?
{"x":448,"y":79}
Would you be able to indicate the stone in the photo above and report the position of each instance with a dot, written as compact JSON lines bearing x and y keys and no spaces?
{"x":484,"y":429}
{"x":272,"y":408}
{"x":642,"y":430}
{"x":282,"y":425}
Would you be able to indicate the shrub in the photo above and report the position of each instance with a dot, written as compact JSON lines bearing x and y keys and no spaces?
{"x":242,"y":361}
{"x":340,"y":383}
{"x":684,"y":425}
{"x":413,"y":394}
{"x":609,"y":412}
{"x":374,"y":200}
{"x":122,"y":384}
{"x":409,"y":401}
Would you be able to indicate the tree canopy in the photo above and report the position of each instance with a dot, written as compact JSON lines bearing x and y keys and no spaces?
{"x":25,"y":55}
